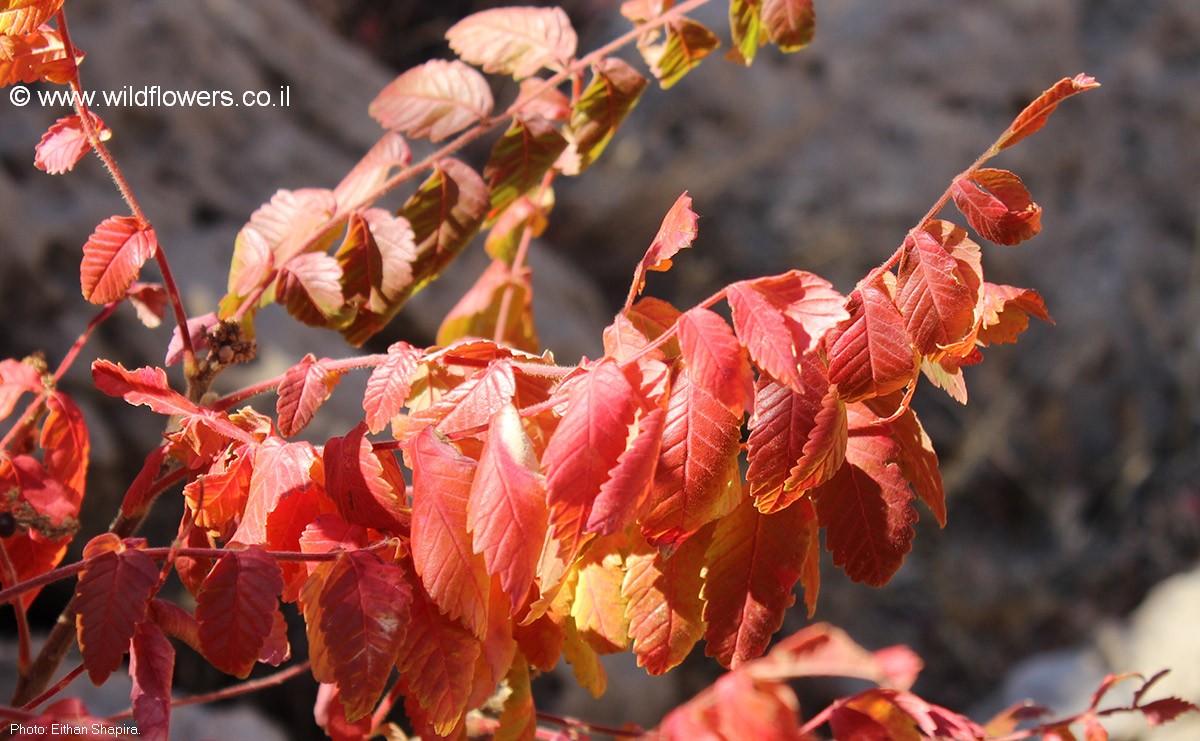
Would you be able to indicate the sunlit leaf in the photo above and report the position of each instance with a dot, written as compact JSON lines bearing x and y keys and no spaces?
{"x":113,"y":256}
{"x":613,"y":92}
{"x":305,"y":387}
{"x":66,"y":142}
{"x":1035,"y":115}
{"x":515,"y":41}
{"x":434,"y":100}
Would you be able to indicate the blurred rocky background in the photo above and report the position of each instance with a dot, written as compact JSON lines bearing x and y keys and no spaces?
{"x":1073,"y":474}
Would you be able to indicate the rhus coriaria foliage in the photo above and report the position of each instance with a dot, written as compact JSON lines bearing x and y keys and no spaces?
{"x":495,"y":511}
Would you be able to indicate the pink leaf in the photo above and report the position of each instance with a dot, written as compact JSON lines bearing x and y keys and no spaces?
{"x":435,"y":100}
{"x":113,"y":256}
{"x":66,"y":142}
{"x":389,"y":153}
{"x":305,"y":387}
{"x":388,"y":386}
{"x":309,"y":285}
{"x":515,"y":41}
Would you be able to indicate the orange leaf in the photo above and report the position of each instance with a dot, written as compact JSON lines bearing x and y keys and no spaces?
{"x":1006,"y":312}
{"x":111,"y":599}
{"x":663,"y":605}
{"x":621,"y":498}
{"x":66,"y":142}
{"x":219,"y":497}
{"x":236,"y":608}
{"x":455,"y":577}
{"x":515,"y":41}
{"x":754,"y":561}
{"x":113,"y":256}
{"x":305,"y":387}
{"x":286,"y":524}
{"x":434,"y":100}
{"x":35,"y":56}
{"x":66,"y":443}
{"x":24,"y":16}
{"x":598,"y":605}
{"x":506,"y":511}
{"x":1036,"y":113}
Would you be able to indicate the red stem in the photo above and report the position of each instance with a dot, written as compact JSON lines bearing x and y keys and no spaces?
{"x":24,"y":652}
{"x":114,"y":170}
{"x":262,"y":387}
{"x":242,"y":688}
{"x":59,"y":686}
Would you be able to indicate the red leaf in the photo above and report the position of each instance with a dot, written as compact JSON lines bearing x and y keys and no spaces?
{"x":453,"y":574}
{"x":113,"y":256}
{"x":866,"y":508}
{"x":715,"y":360}
{"x":24,"y":16}
{"x":697,"y":477}
{"x":151,"y":667}
{"x":329,"y":532}
{"x":388,"y":386}
{"x":822,"y":650}
{"x":506,"y":511}
{"x":111,"y":600}
{"x":1006,"y":312}
{"x":363,"y":616}
{"x":780,"y":318}
{"x":870,"y":353}
{"x":1166,"y":710}
{"x":305,"y":387}
{"x":236,"y":608}
{"x":437,"y":660}
{"x":663,"y":604}
{"x":286,"y":524}
{"x":38,"y":55}
{"x":753,"y":563}
{"x":279,"y":468}
{"x":434,"y":100}
{"x":143,"y":386}
{"x":368,"y":176}
{"x":998,"y":206}
{"x":797,"y":440}
{"x":917,"y":460}
{"x":138,"y":496}
{"x":48,"y":497}
{"x":309,"y":285}
{"x":621,"y":497}
{"x":936,"y":296}
{"x":515,"y":41}
{"x":677,"y":231}
{"x":66,"y":443}
{"x":1036,"y":113}
{"x":66,"y":142}
{"x":789,"y":23}
{"x":586,"y":446}
{"x":366,"y":485}
{"x":736,"y":706}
